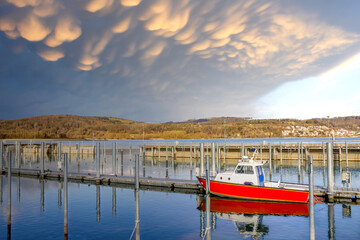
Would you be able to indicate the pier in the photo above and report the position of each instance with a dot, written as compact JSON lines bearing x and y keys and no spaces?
{"x":346,"y":153}
{"x":340,"y":194}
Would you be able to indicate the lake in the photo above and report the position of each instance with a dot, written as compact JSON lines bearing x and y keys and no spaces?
{"x":106,"y":212}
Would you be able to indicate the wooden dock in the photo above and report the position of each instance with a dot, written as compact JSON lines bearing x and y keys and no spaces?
{"x":340,"y":194}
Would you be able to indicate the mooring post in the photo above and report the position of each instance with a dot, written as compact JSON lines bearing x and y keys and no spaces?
{"x":302,"y":153}
{"x":323,"y":148}
{"x":59,"y":151}
{"x":174,"y":152}
{"x":98,"y":160}
{"x":130,"y":152}
{"x":299,"y":159}
{"x":280,"y":153}
{"x":122,"y":161}
{"x":190,"y":157}
{"x":143,"y":156}
{"x":167,"y":163}
{"x":78,"y":151}
{"x":1,"y":156}
{"x":18,"y":154}
{"x":213,"y":158}
{"x":159,"y":152}
{"x":42,"y":164}
{"x":242,"y":149}
{"x":311,"y":198}
{"x":137,"y":157}
{"x":207,"y":175}
{"x":340,"y":154}
{"x":329,"y":147}
{"x":9,"y":195}
{"x":224,"y":152}
{"x":114,"y":167}
{"x":201,"y":159}
{"x":66,"y":196}
{"x":346,"y":153}
{"x":166,"y":152}
{"x":217,"y":157}
{"x":270,"y":159}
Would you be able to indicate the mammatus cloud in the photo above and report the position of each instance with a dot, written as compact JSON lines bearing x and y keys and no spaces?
{"x":51,"y":54}
{"x":169,"y":47}
{"x":235,"y":36}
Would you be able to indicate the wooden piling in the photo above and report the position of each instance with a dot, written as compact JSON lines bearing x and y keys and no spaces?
{"x":201,"y":159}
{"x":9,"y":196}
{"x":1,"y":156}
{"x":97,"y":160}
{"x":330,"y":164}
{"x":66,"y":232}
{"x":311,"y":198}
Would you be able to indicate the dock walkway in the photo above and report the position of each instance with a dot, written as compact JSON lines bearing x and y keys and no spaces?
{"x":341,"y":194}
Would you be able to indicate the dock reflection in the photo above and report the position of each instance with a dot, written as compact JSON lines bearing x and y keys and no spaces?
{"x":247,"y":216}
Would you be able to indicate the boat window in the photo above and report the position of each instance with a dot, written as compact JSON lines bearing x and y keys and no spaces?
{"x":244,"y":169}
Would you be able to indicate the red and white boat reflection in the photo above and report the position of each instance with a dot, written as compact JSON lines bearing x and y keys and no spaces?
{"x":225,"y":205}
{"x":247,"y":216}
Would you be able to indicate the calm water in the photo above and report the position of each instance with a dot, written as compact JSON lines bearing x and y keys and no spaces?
{"x":103,"y":212}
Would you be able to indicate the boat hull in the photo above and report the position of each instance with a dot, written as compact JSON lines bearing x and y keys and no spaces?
{"x":241,"y":191}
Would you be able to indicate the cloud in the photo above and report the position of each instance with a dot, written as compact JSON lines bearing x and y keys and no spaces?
{"x":227,"y":46}
{"x":130,"y":3}
{"x":32,"y":28}
{"x":51,"y":54}
{"x":122,"y":26}
{"x":97,"y":5}
{"x":24,"y":3}
{"x":67,"y":29}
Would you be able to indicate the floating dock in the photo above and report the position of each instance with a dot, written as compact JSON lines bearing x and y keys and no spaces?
{"x":340,"y":194}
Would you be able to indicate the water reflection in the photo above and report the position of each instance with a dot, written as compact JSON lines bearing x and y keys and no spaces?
{"x":331,"y":221}
{"x":98,"y":213}
{"x":59,"y":193}
{"x":247,"y":216}
{"x":1,"y":189}
{"x":137,"y":215}
{"x":42,"y":195}
{"x":113,"y":201}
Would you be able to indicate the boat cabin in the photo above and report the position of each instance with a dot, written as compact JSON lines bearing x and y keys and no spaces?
{"x":247,"y":172}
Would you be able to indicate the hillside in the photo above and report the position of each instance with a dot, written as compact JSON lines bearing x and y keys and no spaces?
{"x":81,"y":127}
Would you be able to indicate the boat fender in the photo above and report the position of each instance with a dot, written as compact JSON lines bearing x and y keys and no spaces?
{"x":248,"y":183}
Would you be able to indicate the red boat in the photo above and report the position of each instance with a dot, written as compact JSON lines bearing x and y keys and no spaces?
{"x":246,"y":181}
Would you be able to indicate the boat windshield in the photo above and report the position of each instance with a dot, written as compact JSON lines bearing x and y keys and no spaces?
{"x":243,"y":169}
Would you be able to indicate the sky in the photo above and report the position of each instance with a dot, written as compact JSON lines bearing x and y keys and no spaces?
{"x":174,"y":60}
